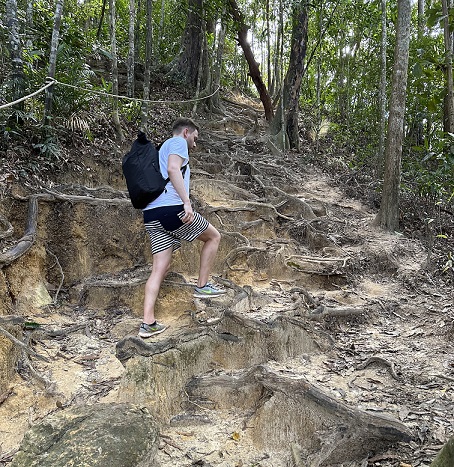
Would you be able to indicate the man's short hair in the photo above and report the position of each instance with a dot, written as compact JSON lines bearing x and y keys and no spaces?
{"x":181,"y":123}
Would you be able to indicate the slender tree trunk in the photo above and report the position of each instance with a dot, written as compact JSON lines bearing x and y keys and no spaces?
{"x":318,"y":124}
{"x":268,"y":44}
{"x":278,"y":56}
{"x":214,"y":102}
{"x":137,"y":35}
{"x":203,"y":55}
{"x":382,"y":89}
{"x":448,"y":117}
{"x":294,"y":76}
{"x":161,"y":30}
{"x":101,"y":19}
{"x":254,"y":70}
{"x":113,"y":50}
{"x":421,"y":22}
{"x":131,"y":51}
{"x":388,"y":215}
{"x":148,"y":58}
{"x":341,"y":77}
{"x":280,"y":122}
{"x":29,"y":24}
{"x":53,"y":60}
{"x":17,"y":81}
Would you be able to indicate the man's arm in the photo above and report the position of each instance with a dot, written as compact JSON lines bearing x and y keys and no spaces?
{"x":176,"y":177}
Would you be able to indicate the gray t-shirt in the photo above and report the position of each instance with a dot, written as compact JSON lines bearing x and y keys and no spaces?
{"x":175,"y":145}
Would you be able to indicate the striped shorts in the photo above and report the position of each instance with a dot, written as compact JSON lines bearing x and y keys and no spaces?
{"x":166,"y":229}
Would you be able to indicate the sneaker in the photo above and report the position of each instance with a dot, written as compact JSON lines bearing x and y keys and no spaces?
{"x":147,"y":330}
{"x":208,"y":291}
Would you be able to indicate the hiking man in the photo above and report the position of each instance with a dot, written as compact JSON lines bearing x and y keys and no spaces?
{"x":170,"y":218}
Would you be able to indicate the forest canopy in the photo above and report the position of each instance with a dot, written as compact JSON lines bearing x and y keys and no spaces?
{"x":323,"y":64}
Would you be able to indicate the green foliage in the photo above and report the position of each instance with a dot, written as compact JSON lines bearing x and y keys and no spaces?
{"x":431,"y":171}
{"x":48,"y":147}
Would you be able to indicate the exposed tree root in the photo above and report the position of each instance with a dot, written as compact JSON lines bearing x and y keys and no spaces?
{"x":46,"y":384}
{"x":62,"y":275}
{"x":52,"y":196}
{"x":383,"y":361}
{"x":349,"y":426}
{"x":238,"y":251}
{"x":323,"y":311}
{"x":26,"y":242}
{"x":132,"y":346}
{"x":308,"y":297}
{"x":319,"y":260}
{"x":20,"y":344}
{"x":64,"y":331}
{"x":28,"y":239}
{"x":248,"y":206}
{"x":11,"y":320}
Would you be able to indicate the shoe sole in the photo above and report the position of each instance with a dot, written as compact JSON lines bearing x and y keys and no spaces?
{"x":212,"y":295}
{"x":150,"y":334}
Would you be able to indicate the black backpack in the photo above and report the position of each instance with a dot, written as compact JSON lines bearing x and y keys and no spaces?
{"x":143,"y":175}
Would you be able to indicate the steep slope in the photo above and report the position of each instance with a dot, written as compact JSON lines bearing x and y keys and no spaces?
{"x":332,"y":346}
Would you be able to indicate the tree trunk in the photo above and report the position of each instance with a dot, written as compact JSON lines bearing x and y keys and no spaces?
{"x":203,"y":56}
{"x":137,"y":33}
{"x":113,"y":50}
{"x":101,"y":19}
{"x":293,"y":78}
{"x":15,"y":50}
{"x":388,"y":215}
{"x":148,"y":57}
{"x":268,"y":44}
{"x":161,"y":30}
{"x":131,"y":52}
{"x":29,"y":21}
{"x":254,"y":70}
{"x":445,"y":457}
{"x":53,"y":60}
{"x":188,"y":64}
{"x":382,"y":90}
{"x":421,"y":22}
{"x":448,"y":108}
{"x":278,"y":55}
{"x":215,"y":103}
{"x":415,"y":132}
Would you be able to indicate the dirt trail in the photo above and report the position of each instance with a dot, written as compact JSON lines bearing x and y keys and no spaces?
{"x":345,"y":307}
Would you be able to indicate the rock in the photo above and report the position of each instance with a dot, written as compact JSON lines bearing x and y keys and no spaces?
{"x":445,"y":457}
{"x":114,"y":435}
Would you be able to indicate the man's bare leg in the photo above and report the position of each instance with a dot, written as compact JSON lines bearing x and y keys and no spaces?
{"x":211,"y":238}
{"x":161,"y":265}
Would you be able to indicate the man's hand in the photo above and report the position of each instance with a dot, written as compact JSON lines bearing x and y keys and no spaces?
{"x":188,"y":213}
